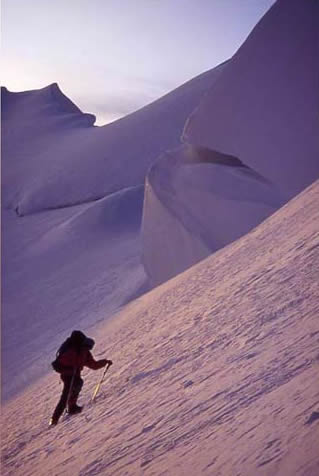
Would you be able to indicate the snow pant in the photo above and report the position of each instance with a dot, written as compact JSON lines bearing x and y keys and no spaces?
{"x":75,"y":390}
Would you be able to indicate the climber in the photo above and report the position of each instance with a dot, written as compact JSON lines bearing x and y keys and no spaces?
{"x":71,"y":357}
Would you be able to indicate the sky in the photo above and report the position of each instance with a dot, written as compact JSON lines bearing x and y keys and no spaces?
{"x":112,"y":57}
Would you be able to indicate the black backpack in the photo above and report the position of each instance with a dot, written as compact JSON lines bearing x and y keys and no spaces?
{"x":56,"y":365}
{"x":78,"y":341}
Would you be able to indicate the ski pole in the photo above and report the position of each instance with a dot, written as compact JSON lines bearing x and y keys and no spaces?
{"x":97,"y":388}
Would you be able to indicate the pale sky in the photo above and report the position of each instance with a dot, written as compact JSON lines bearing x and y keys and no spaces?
{"x":112,"y":57}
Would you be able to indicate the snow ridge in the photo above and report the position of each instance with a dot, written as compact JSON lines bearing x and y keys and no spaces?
{"x":256,"y":116}
{"x":264,"y":106}
{"x":54,"y":157}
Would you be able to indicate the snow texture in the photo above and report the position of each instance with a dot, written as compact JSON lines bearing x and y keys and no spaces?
{"x":215,"y":371}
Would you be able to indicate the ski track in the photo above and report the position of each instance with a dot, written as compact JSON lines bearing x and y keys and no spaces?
{"x":215,"y":372}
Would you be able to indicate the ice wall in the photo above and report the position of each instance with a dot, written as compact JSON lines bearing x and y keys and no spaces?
{"x":196,"y":202}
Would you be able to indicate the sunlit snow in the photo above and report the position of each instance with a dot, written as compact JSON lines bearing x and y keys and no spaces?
{"x":215,"y":362}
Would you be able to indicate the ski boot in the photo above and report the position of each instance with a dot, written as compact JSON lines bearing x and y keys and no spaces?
{"x":74,"y":409}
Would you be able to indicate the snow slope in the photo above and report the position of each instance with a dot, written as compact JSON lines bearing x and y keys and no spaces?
{"x":215,"y":372}
{"x":72,"y":198}
{"x":264,"y":107}
{"x":72,"y":269}
{"x":72,"y":193}
{"x":250,"y":145}
{"x":54,"y":156}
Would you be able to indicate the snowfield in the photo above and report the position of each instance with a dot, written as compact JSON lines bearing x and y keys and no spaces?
{"x":72,"y":202}
{"x":55,"y":157}
{"x":211,"y":194}
{"x":95,"y":216}
{"x":215,"y":372}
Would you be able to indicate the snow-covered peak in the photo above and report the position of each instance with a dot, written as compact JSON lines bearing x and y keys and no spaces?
{"x":39,"y":104}
{"x":264,"y":107}
{"x":53,"y":157}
